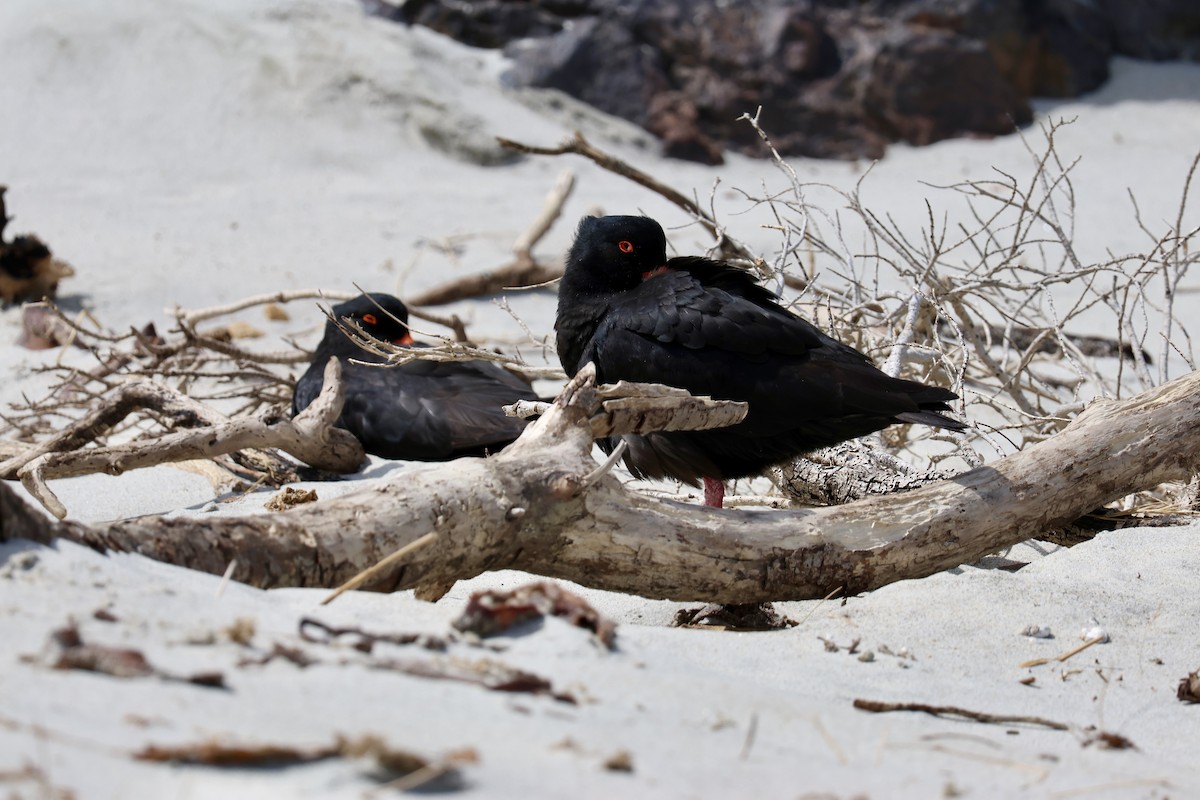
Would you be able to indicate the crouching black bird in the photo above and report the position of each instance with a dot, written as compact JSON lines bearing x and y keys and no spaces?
{"x":422,"y":410}
{"x":710,"y":328}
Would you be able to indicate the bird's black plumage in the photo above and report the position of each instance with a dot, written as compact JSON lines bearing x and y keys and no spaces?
{"x":710,"y":328}
{"x":422,"y":410}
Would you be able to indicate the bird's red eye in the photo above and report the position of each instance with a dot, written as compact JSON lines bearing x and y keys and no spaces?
{"x":370,"y":319}
{"x":625,"y":246}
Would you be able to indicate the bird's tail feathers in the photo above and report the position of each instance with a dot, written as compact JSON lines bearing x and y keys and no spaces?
{"x":932,"y":418}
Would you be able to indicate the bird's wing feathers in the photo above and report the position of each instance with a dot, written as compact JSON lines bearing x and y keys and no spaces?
{"x":431,"y":410}
{"x":723,"y":314}
{"x":470,"y":404}
{"x":717,"y":341}
{"x":391,"y":415}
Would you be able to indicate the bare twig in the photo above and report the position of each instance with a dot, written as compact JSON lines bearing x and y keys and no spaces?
{"x":202,"y":314}
{"x":578,"y":145}
{"x":880,"y":707}
{"x":1037,"y":662}
{"x":1087,"y":735}
{"x":906,"y":337}
{"x":518,"y":273}
{"x":551,"y":210}
{"x":524,"y":271}
{"x":387,"y":565}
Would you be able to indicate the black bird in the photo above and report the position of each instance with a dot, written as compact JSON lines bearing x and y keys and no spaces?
{"x":710,"y":328}
{"x":422,"y":410}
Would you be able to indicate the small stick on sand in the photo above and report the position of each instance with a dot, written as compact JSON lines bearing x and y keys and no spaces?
{"x":1088,"y":735}
{"x":1037,"y":662}
{"x":381,"y":567}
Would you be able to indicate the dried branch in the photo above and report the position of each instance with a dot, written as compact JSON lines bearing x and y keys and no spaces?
{"x":310,"y":437}
{"x":202,"y":314}
{"x":446,"y":350}
{"x":176,"y":409}
{"x":518,"y":273}
{"x":524,"y":271}
{"x":551,"y":211}
{"x":1087,"y":735}
{"x":578,"y":145}
{"x":1001,"y":292}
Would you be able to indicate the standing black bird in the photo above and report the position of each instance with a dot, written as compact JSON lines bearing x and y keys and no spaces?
{"x":710,"y":328}
{"x":422,"y":410}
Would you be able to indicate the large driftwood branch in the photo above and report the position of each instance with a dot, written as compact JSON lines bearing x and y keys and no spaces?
{"x":531,"y":508}
{"x":310,"y":437}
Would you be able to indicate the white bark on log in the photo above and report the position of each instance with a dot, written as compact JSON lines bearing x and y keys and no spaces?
{"x":531,"y":508}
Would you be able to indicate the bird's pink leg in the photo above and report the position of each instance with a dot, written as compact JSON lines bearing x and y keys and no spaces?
{"x":714,"y":493}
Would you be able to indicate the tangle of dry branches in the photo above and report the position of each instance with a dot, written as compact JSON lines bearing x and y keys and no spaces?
{"x":986,"y":307}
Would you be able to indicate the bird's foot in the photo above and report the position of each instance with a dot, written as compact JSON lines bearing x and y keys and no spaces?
{"x":714,"y":493}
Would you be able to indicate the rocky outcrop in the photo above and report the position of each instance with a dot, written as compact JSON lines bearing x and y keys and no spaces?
{"x":834,"y":81}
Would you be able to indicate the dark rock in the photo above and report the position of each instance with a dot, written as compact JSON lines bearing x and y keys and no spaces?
{"x":482,"y":23}
{"x":834,"y":79}
{"x":729,"y":60}
{"x":1053,"y":48}
{"x":597,"y":61}
{"x":1154,"y":29}
{"x":928,"y":84}
{"x":1072,"y":45}
{"x":672,"y":117}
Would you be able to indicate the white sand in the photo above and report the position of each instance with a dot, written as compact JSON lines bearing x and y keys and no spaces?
{"x":193,"y":153}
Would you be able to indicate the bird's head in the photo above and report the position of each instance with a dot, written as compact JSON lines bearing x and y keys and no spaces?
{"x":381,"y":315}
{"x":615,"y":253}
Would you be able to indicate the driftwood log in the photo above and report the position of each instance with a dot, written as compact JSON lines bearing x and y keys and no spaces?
{"x":542,"y":505}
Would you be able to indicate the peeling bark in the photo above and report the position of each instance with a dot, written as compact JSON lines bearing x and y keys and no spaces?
{"x":845,"y":472}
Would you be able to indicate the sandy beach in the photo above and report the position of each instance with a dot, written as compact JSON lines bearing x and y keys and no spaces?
{"x":191,"y":154}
